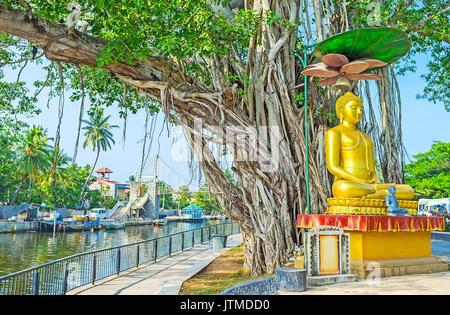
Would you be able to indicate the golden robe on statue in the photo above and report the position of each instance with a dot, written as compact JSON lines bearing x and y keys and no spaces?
{"x":350,"y":157}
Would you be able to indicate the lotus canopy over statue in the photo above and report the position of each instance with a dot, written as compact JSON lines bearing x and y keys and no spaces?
{"x":350,"y":55}
{"x":336,"y":69}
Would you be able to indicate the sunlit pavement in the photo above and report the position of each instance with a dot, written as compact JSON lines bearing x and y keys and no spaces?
{"x":422,"y":284}
{"x":435,"y":283}
{"x":441,"y":249}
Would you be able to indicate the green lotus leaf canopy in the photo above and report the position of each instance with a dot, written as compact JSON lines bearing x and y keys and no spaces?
{"x":380,"y":43}
{"x":351,"y":55}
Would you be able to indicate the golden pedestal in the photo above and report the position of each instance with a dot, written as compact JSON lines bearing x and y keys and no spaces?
{"x":383,"y":246}
{"x":366,"y":206}
{"x":384,"y":254}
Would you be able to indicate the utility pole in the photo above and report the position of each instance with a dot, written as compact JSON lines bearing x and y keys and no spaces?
{"x":155,"y":179}
{"x":155,"y":175}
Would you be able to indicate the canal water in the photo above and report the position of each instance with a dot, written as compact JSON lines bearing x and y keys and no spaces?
{"x":20,"y":251}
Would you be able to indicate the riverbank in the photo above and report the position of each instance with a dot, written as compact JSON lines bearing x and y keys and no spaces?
{"x":17,"y":227}
{"x":38,"y":226}
{"x":47,"y":226}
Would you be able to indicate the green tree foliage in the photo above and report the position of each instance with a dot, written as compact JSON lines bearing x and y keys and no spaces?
{"x":8,"y":178}
{"x":188,"y":31}
{"x":33,"y":159}
{"x":166,"y":199}
{"x":131,"y":178}
{"x":427,"y":23}
{"x":183,"y":197}
{"x":27,"y":152}
{"x":205,"y":200}
{"x":429,"y":174}
{"x":110,"y":203}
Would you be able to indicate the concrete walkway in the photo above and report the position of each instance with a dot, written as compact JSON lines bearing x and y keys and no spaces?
{"x":420,"y":284}
{"x":164,"y":277}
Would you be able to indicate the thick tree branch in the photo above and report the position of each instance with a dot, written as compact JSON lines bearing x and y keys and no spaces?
{"x":77,"y":48}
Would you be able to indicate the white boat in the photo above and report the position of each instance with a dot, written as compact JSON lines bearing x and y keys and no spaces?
{"x":99,"y":213}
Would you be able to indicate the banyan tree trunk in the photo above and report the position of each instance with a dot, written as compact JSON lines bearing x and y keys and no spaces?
{"x":265,"y":127}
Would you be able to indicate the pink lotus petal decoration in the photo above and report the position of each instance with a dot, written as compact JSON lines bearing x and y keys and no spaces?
{"x":335,"y":66}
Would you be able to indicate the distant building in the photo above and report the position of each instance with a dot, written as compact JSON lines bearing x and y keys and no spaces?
{"x":109,"y":188}
{"x":191,"y":213}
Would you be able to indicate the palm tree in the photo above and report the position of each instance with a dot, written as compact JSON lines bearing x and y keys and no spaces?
{"x":58,"y":171}
{"x":33,"y":156}
{"x":99,"y":136}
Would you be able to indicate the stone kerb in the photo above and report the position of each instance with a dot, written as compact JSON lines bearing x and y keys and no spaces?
{"x":286,"y":279}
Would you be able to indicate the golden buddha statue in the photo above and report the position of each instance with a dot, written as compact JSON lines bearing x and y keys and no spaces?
{"x":350,"y":158}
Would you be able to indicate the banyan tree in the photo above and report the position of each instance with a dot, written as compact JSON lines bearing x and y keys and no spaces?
{"x":226,"y":72}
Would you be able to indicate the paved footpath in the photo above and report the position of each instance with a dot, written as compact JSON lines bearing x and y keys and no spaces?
{"x":164,"y":277}
{"x":420,"y":284}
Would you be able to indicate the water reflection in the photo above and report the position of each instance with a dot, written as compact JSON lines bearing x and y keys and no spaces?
{"x":24,"y":250}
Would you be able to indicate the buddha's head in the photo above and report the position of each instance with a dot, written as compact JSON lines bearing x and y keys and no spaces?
{"x":392,"y":190}
{"x":349,"y":108}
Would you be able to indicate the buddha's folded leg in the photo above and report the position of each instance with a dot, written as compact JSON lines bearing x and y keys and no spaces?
{"x":403,"y":192}
{"x":349,"y":189}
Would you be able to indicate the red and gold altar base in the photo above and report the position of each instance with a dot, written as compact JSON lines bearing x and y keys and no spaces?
{"x":395,"y":245}
{"x":369,"y":223}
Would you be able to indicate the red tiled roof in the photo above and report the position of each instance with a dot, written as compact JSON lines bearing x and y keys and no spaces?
{"x":103,"y":170}
{"x":103,"y":181}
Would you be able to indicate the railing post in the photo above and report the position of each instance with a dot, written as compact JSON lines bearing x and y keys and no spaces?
{"x":170,"y":245}
{"x":94,"y":268}
{"x":66,"y":276}
{"x":201,"y":239}
{"x":182,"y":241}
{"x":193,"y":237}
{"x":35,"y":288}
{"x":156,"y":248}
{"x":118,"y":261}
{"x":137,"y":256}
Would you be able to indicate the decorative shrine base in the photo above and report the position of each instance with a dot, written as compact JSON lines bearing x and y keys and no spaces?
{"x":383,"y":246}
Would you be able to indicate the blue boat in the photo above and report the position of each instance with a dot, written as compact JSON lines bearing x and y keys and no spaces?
{"x":82,"y":226}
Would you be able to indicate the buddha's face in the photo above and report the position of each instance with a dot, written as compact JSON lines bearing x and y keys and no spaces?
{"x":352,"y":112}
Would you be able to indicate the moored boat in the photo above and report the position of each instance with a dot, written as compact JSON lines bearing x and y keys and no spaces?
{"x":160,"y":222}
{"x":113,"y":225}
{"x":81,"y":226}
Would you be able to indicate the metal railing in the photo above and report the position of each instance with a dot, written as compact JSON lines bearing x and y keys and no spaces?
{"x":60,"y":276}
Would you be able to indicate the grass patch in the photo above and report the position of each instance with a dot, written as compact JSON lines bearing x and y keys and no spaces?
{"x":224,"y":272}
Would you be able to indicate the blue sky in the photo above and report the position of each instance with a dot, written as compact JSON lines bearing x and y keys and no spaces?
{"x":422,"y":123}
